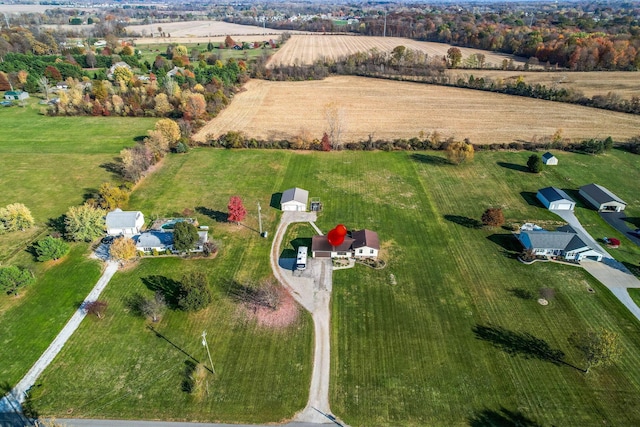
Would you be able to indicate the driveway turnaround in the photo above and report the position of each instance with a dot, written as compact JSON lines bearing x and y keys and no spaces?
{"x":618,"y":221}
{"x":12,"y":401}
{"x":611,"y":273}
{"x":312,"y":290}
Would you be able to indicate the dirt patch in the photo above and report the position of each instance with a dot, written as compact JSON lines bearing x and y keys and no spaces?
{"x":285,"y":315}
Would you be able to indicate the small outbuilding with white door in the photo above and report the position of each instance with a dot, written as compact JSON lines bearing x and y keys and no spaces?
{"x":294,"y":199}
{"x":549,"y":159}
{"x":601,"y":198}
{"x":555,"y":199}
{"x":125,"y":223}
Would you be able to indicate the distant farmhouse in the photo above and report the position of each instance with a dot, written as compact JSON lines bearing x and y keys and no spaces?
{"x":549,"y":159}
{"x":555,"y":199}
{"x":601,"y":198}
{"x":361,"y":244}
{"x":124,"y":223}
{"x":16,"y":95}
{"x":294,"y":199}
{"x":563,"y":243}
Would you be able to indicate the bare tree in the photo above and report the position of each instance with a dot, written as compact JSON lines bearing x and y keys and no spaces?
{"x":335,"y":117}
{"x":97,"y":307}
{"x":43,"y":84}
{"x":153,"y":307}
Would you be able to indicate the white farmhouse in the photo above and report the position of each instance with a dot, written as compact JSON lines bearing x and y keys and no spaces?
{"x":294,"y":199}
{"x":125,"y":223}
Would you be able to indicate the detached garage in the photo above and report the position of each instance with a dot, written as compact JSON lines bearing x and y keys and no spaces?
{"x":601,"y":198}
{"x":555,"y":199}
{"x":294,"y":199}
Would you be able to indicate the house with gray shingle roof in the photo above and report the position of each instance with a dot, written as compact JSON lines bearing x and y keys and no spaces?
{"x":162,"y":240}
{"x":601,"y":198}
{"x":564,"y":243}
{"x":125,"y":223}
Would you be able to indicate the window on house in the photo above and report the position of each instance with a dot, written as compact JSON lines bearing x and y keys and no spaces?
{"x":360,"y":251}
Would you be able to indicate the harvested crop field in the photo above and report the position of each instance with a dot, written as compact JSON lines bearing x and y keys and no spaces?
{"x":389,"y":110}
{"x":305,"y":49}
{"x":200,"y":32}
{"x":623,"y":83}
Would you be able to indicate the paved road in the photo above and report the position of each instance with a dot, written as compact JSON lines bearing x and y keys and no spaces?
{"x":617,"y":221}
{"x":313,"y":291}
{"x":611,"y":273}
{"x":12,"y":402}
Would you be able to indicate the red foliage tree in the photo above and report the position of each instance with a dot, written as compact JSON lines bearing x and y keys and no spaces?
{"x":52,"y":73}
{"x":237,"y":212}
{"x":325,"y":143}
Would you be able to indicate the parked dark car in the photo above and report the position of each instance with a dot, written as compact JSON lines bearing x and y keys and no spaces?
{"x":108,"y":240}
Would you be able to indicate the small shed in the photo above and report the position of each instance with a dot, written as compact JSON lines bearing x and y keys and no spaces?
{"x":555,"y":199}
{"x":601,"y":198}
{"x":549,"y":159}
{"x":16,"y":95}
{"x":126,"y":223}
{"x":294,"y":199}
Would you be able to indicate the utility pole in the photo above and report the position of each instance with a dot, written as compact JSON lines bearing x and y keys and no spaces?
{"x":384,"y":33}
{"x":206,"y":345}
{"x":260,"y":218}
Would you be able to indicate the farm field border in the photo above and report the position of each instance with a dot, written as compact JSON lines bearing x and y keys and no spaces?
{"x":387,"y":110}
{"x":305,"y":49}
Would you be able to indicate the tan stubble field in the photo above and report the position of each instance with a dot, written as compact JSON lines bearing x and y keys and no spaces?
{"x":388,"y":110}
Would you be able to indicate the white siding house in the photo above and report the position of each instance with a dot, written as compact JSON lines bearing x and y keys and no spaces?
{"x":366,"y":244}
{"x":125,"y":223}
{"x":361,"y":244}
{"x":16,"y":95}
{"x":555,"y":199}
{"x":549,"y":159}
{"x":558,"y":244}
{"x":601,"y":198}
{"x":294,"y":199}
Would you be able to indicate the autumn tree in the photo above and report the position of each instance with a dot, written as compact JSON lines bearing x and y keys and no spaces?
{"x":153,"y":307}
{"x":127,"y":51}
{"x":169,"y":129}
{"x":185,"y":235}
{"x":16,"y":216}
{"x":459,"y":152}
{"x":229,"y":42}
{"x":13,"y":278}
{"x":493,"y":217}
{"x":325,"y":143}
{"x":123,"y":248}
{"x":98,"y":308}
{"x":534,"y":163}
{"x":122,"y":74}
{"x":51,"y":248}
{"x":157,"y":143}
{"x":454,"y":55}
{"x":237,"y":211}
{"x":111,"y":196}
{"x":194,"y":293}
{"x":335,"y":117}
{"x":599,"y":348}
{"x":90,"y":59}
{"x":180,"y":50}
{"x":4,"y":82}
{"x":84,"y":223}
{"x":194,"y":105}
{"x":162,"y":105}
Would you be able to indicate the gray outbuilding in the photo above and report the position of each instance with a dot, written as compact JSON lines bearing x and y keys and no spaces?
{"x":601,"y":198}
{"x":555,"y":199}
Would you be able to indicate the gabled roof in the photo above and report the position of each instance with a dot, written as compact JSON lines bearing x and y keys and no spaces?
{"x":122,"y":219}
{"x":153,"y":239}
{"x":547,"y":156}
{"x":321,"y":244}
{"x":13,"y":92}
{"x":295,"y":194}
{"x":556,"y":240}
{"x":368,"y":238}
{"x":554,"y":194}
{"x":600,"y":194}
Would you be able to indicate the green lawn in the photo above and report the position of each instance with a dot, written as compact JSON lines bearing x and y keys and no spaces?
{"x":459,"y":340}
{"x":150,"y":51}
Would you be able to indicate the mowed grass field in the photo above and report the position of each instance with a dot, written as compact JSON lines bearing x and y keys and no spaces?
{"x":388,"y":110}
{"x":449,"y":333}
{"x":622,"y":83}
{"x":308,"y":48}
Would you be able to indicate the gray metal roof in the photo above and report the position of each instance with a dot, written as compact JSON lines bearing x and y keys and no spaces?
{"x":295,"y":194}
{"x":554,"y":194}
{"x":122,"y":219}
{"x":600,"y":194}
